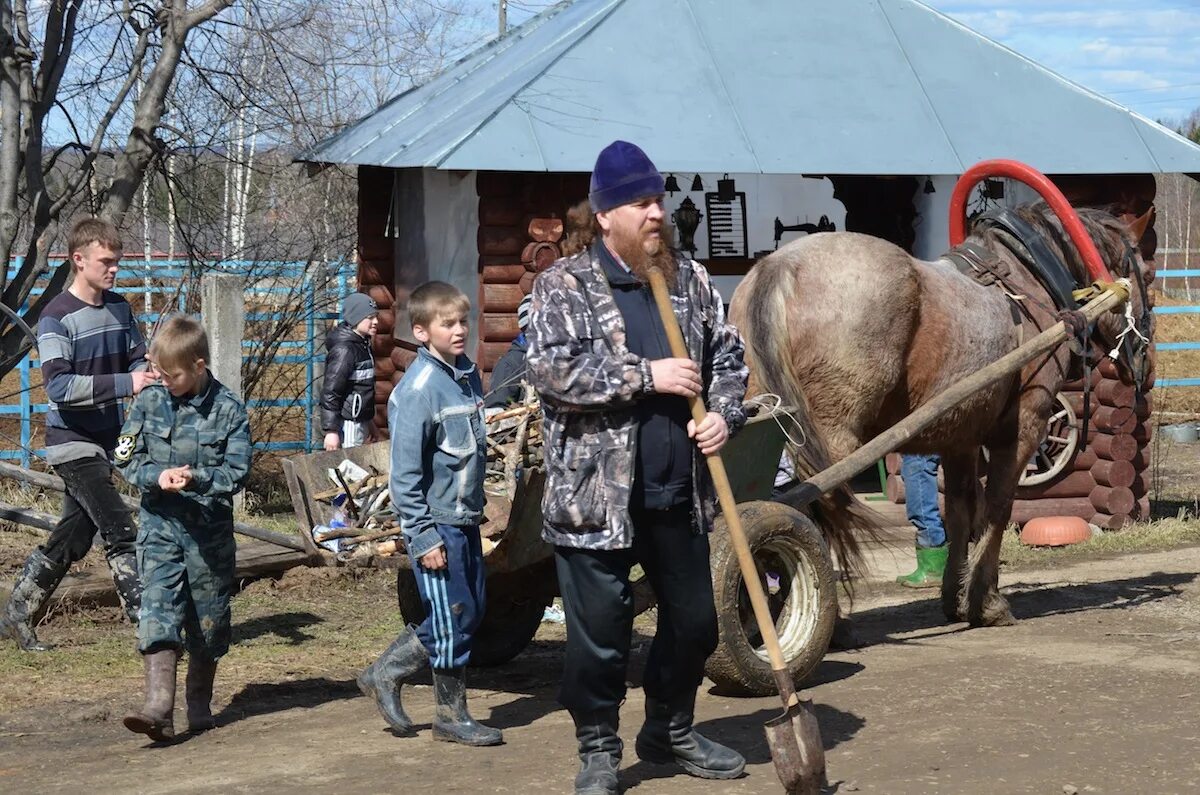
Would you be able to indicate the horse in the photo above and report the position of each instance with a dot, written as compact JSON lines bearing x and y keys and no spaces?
{"x":856,"y":334}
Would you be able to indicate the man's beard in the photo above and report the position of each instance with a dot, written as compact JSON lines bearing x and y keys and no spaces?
{"x":632,"y":252}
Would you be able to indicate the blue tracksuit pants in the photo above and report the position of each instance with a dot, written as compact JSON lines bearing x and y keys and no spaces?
{"x":453,"y":598}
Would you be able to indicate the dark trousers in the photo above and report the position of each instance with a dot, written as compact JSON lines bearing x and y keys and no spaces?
{"x":90,"y":504}
{"x":453,"y":597}
{"x":598,"y":603}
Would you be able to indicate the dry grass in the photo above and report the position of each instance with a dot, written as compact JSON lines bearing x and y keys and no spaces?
{"x":1168,"y":533}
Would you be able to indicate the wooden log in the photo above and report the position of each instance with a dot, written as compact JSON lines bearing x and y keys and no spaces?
{"x":1024,"y":510}
{"x":1116,"y":474}
{"x":894,"y":488}
{"x":1141,"y":485}
{"x":538,"y":256}
{"x":1112,"y":501}
{"x":526,"y":282}
{"x":510,"y":273}
{"x":387,"y":323}
{"x":383,"y":391}
{"x":1107,"y":521}
{"x":891,"y":462}
{"x":1107,"y":419}
{"x":27,"y":517}
{"x":490,"y":353}
{"x":500,"y":241}
{"x":1143,"y":509}
{"x":1110,"y":370}
{"x":396,"y":376}
{"x":384,"y":367}
{"x":1077,"y":385}
{"x":545,"y":230}
{"x":498,"y":184}
{"x":1113,"y":447}
{"x":381,"y":346}
{"x":1141,"y":432}
{"x":1084,"y":460}
{"x":501,"y":298}
{"x":403,"y":355}
{"x":54,"y":483}
{"x":372,"y":271}
{"x":1115,"y":393}
{"x":1069,"y":484}
{"x":381,"y":295}
{"x":495,"y":327}
{"x":500,"y":212}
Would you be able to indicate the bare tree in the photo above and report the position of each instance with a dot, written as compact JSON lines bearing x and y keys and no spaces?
{"x":74,"y":65}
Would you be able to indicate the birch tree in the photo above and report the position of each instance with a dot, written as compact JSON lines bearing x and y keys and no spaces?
{"x":72,"y":135}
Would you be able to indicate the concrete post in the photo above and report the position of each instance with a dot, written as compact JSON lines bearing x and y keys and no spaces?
{"x":223,"y":312}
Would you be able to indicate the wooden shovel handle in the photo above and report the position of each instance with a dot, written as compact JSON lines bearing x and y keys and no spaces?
{"x":716,"y":468}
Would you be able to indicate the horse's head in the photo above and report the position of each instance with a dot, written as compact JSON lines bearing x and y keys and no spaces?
{"x":1123,"y":334}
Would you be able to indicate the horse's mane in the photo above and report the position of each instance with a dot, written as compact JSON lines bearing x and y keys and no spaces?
{"x":1103,"y":227}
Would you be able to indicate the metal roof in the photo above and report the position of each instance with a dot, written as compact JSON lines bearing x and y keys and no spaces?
{"x":770,"y":86}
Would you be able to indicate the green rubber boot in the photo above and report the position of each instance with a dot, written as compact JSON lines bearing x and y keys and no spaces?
{"x":931,"y":562}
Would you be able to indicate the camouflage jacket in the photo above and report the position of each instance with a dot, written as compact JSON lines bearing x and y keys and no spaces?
{"x":209,"y":432}
{"x":589,"y":381}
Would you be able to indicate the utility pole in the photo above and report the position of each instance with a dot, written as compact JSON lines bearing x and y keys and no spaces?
{"x":503,"y":16}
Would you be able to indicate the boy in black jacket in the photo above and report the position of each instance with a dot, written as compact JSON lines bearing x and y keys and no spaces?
{"x":348,"y":395}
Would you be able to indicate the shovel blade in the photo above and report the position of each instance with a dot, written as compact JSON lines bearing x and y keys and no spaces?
{"x":796,"y":749}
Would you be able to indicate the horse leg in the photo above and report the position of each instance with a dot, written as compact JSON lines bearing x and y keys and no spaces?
{"x":985,"y":605}
{"x":963,"y":515}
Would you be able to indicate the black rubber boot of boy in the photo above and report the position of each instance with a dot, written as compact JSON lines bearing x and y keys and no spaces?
{"x":382,"y":679}
{"x":451,"y":721}
{"x":37,"y":580}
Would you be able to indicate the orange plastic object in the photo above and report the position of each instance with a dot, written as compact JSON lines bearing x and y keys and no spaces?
{"x":1055,"y":531}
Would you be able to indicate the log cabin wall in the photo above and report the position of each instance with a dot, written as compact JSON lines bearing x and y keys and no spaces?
{"x":514,"y":245}
{"x":1107,"y":483}
{"x":508,"y":202}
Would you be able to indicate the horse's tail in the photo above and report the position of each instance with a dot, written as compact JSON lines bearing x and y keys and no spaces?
{"x":766,"y":328}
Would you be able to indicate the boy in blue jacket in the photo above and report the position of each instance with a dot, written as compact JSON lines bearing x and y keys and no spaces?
{"x":439,"y":452}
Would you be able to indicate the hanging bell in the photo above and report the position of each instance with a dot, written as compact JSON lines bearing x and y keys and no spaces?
{"x":672,"y":185}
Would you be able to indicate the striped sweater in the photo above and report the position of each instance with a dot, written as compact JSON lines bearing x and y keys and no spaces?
{"x":88,"y":354}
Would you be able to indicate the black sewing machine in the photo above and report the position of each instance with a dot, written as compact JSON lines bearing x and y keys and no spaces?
{"x":822,"y":225}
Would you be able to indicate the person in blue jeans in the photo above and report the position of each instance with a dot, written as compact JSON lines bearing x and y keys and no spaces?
{"x":921,"y":504}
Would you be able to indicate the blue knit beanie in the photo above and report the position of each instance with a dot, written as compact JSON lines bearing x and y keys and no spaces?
{"x":623,"y":174}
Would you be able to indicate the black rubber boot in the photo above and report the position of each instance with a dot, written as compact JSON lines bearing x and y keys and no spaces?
{"x":382,"y":679}
{"x":451,"y":721}
{"x":201,"y":672}
{"x":156,"y":718}
{"x":129,"y":584}
{"x":599,"y":752}
{"x":37,"y":580}
{"x":667,"y":737}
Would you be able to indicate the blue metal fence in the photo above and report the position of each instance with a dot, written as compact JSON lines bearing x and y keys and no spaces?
{"x":167,"y":277}
{"x":1177,"y":273}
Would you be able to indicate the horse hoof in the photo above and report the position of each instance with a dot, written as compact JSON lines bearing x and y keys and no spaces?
{"x":1002,"y":617}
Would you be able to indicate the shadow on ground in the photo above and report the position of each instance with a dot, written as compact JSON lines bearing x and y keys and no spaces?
{"x":1027,"y":600}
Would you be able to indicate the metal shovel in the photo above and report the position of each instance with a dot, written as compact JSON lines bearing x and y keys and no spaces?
{"x":794,"y":737}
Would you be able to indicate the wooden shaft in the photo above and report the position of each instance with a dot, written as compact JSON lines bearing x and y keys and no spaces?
{"x":716,"y":468}
{"x":811,"y":490}
{"x":54,"y":483}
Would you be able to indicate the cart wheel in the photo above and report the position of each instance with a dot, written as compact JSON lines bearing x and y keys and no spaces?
{"x":1057,"y":449}
{"x":793,"y":563}
{"x":508,"y":625}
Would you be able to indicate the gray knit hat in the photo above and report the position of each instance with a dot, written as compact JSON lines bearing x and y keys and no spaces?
{"x":357,"y":307}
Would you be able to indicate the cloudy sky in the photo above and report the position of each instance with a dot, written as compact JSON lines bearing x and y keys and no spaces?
{"x":1144,"y":54}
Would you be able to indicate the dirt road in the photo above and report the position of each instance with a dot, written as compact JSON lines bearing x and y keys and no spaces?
{"x":1095,"y":690}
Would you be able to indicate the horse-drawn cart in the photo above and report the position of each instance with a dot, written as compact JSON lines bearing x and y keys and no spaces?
{"x":793,"y":561}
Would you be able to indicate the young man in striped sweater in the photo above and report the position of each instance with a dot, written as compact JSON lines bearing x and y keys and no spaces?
{"x":92,"y":357}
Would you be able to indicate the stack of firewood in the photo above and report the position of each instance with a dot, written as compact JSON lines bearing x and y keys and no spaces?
{"x":368,"y":525}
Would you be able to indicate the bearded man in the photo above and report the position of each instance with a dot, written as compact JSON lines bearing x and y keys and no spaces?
{"x":625,"y":482}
